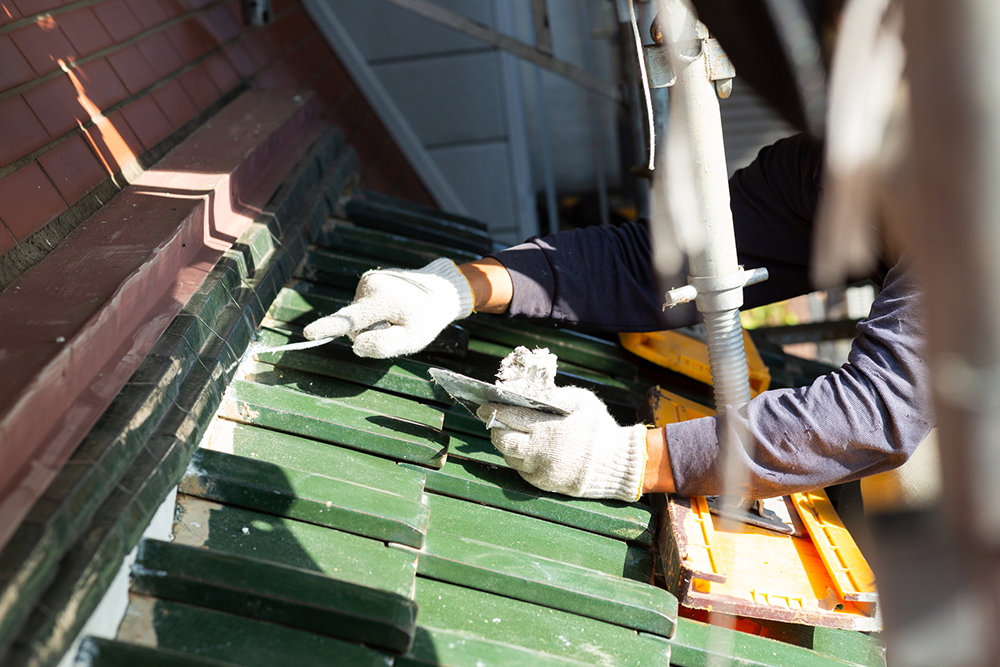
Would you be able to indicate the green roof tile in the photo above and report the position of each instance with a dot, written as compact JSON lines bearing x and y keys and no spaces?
{"x":330,"y":420}
{"x":534,"y":627}
{"x":242,"y":640}
{"x":243,"y":532}
{"x":529,"y":559}
{"x":290,"y":596}
{"x":307,"y":496}
{"x":504,"y":488}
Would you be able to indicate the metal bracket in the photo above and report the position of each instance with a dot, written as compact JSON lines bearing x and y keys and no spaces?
{"x":660,"y":73}
{"x":750,"y":512}
{"x":705,"y":287}
{"x":658,"y":70}
{"x":720,"y":68}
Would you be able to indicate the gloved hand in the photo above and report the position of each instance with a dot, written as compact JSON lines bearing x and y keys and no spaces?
{"x":417,"y":304}
{"x":584,"y":454}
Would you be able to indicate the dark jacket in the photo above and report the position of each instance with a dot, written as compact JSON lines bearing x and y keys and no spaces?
{"x":864,"y":418}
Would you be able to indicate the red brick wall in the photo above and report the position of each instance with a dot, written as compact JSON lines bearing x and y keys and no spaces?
{"x":87,"y":88}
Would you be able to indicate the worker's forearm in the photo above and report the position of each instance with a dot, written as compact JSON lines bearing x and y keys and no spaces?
{"x":490,"y":283}
{"x":659,"y":477}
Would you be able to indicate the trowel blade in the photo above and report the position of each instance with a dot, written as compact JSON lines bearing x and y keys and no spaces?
{"x":472,"y":393}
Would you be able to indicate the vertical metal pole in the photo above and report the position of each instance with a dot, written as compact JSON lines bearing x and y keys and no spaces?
{"x":715,"y":272}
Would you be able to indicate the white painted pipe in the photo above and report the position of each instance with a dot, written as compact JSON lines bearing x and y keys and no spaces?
{"x":715,"y":272}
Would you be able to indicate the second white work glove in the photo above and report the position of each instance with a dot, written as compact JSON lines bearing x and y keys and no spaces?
{"x":417,"y":305}
{"x":585,"y":454}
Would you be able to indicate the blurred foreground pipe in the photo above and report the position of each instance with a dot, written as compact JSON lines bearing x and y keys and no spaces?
{"x":952,"y":56}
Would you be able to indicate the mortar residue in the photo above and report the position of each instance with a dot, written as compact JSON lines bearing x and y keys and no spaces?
{"x":530,"y":373}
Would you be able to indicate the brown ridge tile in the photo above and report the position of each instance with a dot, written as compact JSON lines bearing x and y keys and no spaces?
{"x":113,"y":141}
{"x":29,"y":7}
{"x":44,"y":45}
{"x":14,"y":69}
{"x":175,"y":103}
{"x":235,"y":12}
{"x":199,"y":87}
{"x":240,"y":59}
{"x":133,"y":68}
{"x":160,"y":54}
{"x":84,"y":31}
{"x":149,"y":12}
{"x":99,"y":84}
{"x":190,"y":39}
{"x":220,"y":24}
{"x":277,"y":77}
{"x":222,"y":73}
{"x":22,"y":132}
{"x":262,"y":47}
{"x":28,"y":200}
{"x":292,"y":27}
{"x":8,"y":12}
{"x":73,"y":169}
{"x":6,"y":239}
{"x":147,"y":121}
{"x":57,"y":105}
{"x":118,"y":19}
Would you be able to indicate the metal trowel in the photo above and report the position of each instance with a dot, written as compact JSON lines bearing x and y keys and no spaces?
{"x":471,"y":393}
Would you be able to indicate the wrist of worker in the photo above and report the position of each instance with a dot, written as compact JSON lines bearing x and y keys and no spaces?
{"x":491,"y":284}
{"x":658,"y":476}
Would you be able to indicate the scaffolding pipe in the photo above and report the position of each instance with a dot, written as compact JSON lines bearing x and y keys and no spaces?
{"x":716,"y":280}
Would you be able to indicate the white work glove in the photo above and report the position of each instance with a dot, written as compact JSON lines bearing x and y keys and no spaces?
{"x":417,"y":305}
{"x":584,"y":454}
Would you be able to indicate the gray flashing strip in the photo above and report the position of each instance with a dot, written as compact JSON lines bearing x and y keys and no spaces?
{"x":395,"y":122}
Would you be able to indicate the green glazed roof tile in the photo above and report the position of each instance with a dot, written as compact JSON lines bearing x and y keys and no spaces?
{"x":569,"y":346}
{"x":323,"y":266}
{"x":452,"y":648}
{"x":423,"y":226}
{"x":290,"y":451}
{"x":534,"y":627}
{"x":530,"y":535}
{"x":459,"y":420}
{"x":696,"y":643}
{"x":101,"y":652}
{"x":345,"y":393}
{"x":550,"y":583}
{"x":504,"y":488}
{"x":407,"y":205}
{"x":242,"y":532}
{"x":399,"y":376}
{"x":345,"y":236}
{"x":332,"y":421}
{"x":306,"y":496}
{"x":290,"y":596}
{"x":528,"y":559}
{"x":472,"y":448}
{"x":238,"y":639}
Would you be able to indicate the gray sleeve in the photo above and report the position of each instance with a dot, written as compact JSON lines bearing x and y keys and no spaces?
{"x":865,"y":418}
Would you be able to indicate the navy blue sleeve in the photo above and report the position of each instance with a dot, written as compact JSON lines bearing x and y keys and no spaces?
{"x":867,"y":417}
{"x":602,"y":278}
